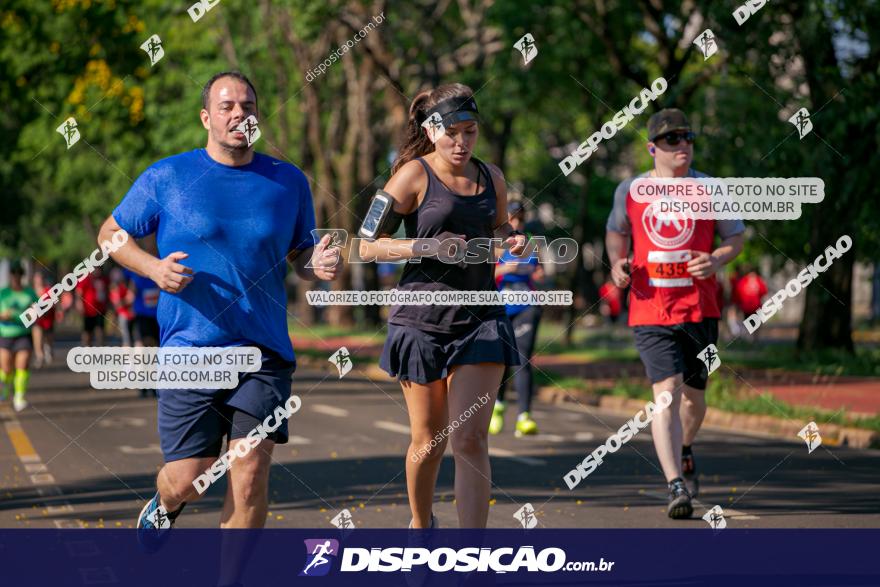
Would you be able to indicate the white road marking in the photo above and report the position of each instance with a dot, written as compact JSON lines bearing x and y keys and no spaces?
{"x":43,"y":479}
{"x":392,"y":426}
{"x":68,"y":524}
{"x":330,"y":410}
{"x":298,"y":440}
{"x":584,"y":436}
{"x":548,"y":437}
{"x":122,"y":422}
{"x":39,"y":473}
{"x":509,"y":454}
{"x":144,"y":450}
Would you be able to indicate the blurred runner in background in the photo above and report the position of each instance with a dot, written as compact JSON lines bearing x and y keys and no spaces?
{"x":15,"y":338}
{"x":514,"y":273}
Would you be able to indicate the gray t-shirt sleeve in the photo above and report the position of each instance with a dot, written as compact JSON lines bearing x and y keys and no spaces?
{"x":618,"y":221}
{"x":724,"y":228}
{"x":728,"y":228}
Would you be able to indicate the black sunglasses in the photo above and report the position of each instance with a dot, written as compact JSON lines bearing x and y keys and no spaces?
{"x":673,"y":138}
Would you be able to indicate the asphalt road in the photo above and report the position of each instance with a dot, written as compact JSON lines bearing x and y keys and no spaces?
{"x":80,"y":457}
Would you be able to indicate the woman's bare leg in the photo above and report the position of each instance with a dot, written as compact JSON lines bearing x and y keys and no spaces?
{"x":472,"y":392}
{"x":426,"y":404}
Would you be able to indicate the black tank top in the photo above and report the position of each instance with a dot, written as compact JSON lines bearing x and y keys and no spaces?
{"x":444,"y":211}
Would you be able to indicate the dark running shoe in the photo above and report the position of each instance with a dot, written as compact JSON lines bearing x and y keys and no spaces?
{"x":689,"y":471}
{"x":154,"y":524}
{"x":679,"y":500}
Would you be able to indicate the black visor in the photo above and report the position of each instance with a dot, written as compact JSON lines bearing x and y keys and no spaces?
{"x":454,"y":110}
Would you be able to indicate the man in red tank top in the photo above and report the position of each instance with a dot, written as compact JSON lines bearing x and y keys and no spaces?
{"x":673,"y":306}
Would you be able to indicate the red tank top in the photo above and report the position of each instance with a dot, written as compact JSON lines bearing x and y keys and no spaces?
{"x":662,"y":291}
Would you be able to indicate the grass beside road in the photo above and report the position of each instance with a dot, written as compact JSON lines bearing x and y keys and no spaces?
{"x":864,"y":363}
{"x":724,"y":393}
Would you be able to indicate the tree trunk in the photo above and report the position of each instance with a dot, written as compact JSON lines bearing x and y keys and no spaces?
{"x":827,"y":320}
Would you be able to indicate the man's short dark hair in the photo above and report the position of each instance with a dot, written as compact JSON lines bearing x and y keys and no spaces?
{"x":206,"y":91}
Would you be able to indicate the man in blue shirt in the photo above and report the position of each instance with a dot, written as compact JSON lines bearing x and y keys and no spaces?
{"x":226,"y":219}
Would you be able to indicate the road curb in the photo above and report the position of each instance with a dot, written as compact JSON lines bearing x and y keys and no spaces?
{"x":832,"y":434}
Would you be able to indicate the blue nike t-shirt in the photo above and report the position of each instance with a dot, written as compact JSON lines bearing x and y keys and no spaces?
{"x":146,"y":294}
{"x":517,"y":281}
{"x":237,"y":224}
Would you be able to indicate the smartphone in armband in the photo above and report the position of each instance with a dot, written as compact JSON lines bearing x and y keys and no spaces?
{"x":380,"y":208}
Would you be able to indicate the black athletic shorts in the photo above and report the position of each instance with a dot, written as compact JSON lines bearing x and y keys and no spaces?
{"x":17,"y":343}
{"x":670,"y":350}
{"x":92,"y":322}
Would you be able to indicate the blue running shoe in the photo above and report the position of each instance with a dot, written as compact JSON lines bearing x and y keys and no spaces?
{"x":154,"y":523}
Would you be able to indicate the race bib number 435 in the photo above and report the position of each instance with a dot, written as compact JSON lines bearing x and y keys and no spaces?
{"x":669,"y":269}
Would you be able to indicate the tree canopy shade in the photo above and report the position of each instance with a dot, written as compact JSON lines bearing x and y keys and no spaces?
{"x":82,"y":58}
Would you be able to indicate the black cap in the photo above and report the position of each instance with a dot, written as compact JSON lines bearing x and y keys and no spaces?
{"x":515,"y":207}
{"x":667,"y":120}
{"x":16,"y":268}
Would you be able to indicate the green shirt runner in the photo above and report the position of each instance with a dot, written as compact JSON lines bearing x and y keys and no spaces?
{"x":15,"y":302}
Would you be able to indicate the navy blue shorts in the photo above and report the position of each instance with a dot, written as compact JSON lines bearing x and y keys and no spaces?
{"x":669,"y":350}
{"x":411,"y":354}
{"x":193,"y":422}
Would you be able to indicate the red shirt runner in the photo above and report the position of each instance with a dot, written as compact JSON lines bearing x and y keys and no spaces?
{"x":662,"y":291}
{"x":94,"y":292}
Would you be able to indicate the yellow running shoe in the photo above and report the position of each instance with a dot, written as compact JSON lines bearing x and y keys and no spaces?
{"x":525,"y":425}
{"x":496,"y":424}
